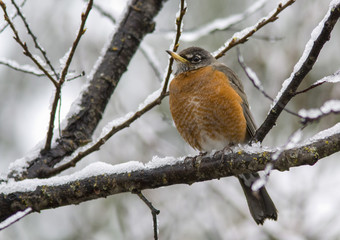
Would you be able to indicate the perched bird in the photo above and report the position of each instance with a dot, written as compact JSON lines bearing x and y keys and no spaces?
{"x":211,"y":112}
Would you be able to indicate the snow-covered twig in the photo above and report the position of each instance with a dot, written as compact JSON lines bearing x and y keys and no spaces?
{"x":311,"y":115}
{"x":334,"y":78}
{"x":14,"y":218}
{"x":22,"y":68}
{"x":243,"y":36}
{"x":319,"y":36}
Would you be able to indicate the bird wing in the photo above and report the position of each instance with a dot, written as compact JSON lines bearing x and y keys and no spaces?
{"x":236,"y":84}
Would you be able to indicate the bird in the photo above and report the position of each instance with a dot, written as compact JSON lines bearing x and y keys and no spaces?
{"x":211,"y":112}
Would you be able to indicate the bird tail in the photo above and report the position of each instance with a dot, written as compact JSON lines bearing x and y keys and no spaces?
{"x":259,"y":202}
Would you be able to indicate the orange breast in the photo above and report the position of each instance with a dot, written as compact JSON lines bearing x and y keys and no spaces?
{"x":206,"y":110}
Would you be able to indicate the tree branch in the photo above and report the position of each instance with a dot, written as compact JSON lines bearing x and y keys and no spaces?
{"x":302,"y":68}
{"x":101,"y":180}
{"x":244,"y":35}
{"x":62,"y":79}
{"x":137,"y":22}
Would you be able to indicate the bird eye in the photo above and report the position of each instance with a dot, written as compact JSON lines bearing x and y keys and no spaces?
{"x":196,"y":59}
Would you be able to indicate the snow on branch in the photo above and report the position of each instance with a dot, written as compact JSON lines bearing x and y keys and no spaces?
{"x":22,"y":68}
{"x":320,"y":35}
{"x":219,"y":24}
{"x":334,"y":78}
{"x":101,"y":179}
{"x":329,"y":107}
{"x":245,"y":34}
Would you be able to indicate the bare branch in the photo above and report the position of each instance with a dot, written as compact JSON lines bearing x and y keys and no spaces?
{"x":12,"y":16}
{"x":130,"y":118}
{"x":311,"y":115}
{"x":301,"y":69}
{"x":34,"y":38}
{"x":62,"y":79}
{"x":25,"y":68}
{"x":256,"y":82}
{"x":154,"y":213}
{"x":101,"y":180}
{"x":329,"y":79}
{"x":24,"y":46}
{"x":244,"y":35}
{"x":136,"y":23}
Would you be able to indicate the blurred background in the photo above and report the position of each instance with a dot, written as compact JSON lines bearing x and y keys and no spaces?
{"x":307,"y":197}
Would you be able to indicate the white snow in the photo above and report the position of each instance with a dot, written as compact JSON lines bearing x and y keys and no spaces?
{"x":159,"y":162}
{"x":12,"y":219}
{"x":150,"y":98}
{"x":331,"y":106}
{"x":335,"y":78}
{"x":94,"y":169}
{"x":292,"y":142}
{"x":323,"y":134}
{"x":19,"y":165}
{"x":39,"y":60}
{"x":63,"y":60}
{"x":253,"y":76}
{"x":314,"y":35}
{"x":24,"y":68}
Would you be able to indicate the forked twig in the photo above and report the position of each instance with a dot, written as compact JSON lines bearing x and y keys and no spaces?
{"x":154,"y":213}
{"x":24,"y":46}
{"x":64,"y":72}
{"x":131,"y":117}
{"x":34,"y":38}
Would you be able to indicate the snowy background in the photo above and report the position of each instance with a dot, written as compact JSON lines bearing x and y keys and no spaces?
{"x":307,"y":197}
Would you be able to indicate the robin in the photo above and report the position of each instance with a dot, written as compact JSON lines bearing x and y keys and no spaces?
{"x":211,"y":112}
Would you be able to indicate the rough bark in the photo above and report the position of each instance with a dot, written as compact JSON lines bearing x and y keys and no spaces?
{"x":189,"y":171}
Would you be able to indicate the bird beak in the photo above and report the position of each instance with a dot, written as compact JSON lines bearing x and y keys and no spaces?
{"x":177,"y":57}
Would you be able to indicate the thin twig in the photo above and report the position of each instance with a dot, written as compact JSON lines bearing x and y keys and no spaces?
{"x":238,"y":40}
{"x":12,"y":17}
{"x":29,"y":69}
{"x":18,"y":216}
{"x":34,"y":38}
{"x":321,"y":81}
{"x":220,"y":24}
{"x":312,"y":115}
{"x":179,"y":21}
{"x":154,"y":213}
{"x":256,"y":82}
{"x":64,"y":71}
{"x":134,"y":116}
{"x":104,"y":13}
{"x":153,"y":62}
{"x":24,"y":46}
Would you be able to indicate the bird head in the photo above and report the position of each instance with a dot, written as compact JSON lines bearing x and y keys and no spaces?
{"x":191,"y":58}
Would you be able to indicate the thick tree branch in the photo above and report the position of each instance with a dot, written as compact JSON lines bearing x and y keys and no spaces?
{"x":101,"y":180}
{"x":301,"y":70}
{"x":137,"y":22}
